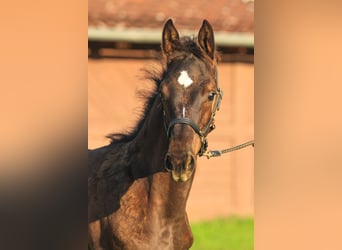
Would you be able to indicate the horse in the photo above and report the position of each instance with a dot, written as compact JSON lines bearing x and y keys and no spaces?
{"x":138,"y":185}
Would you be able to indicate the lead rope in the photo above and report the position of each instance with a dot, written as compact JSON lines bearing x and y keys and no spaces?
{"x":215,"y":153}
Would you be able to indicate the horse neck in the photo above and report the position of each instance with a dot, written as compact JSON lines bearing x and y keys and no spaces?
{"x":167,"y":198}
{"x":151,"y":144}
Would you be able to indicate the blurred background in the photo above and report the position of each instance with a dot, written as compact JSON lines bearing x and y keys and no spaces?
{"x":123,"y":38}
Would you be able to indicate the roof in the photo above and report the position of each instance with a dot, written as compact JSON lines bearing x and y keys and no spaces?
{"x":224,"y":15}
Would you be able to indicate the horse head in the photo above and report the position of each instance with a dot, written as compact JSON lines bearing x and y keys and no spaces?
{"x":190,"y":96}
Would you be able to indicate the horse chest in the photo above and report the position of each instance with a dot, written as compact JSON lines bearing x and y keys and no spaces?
{"x":153,"y":237}
{"x":138,"y":226}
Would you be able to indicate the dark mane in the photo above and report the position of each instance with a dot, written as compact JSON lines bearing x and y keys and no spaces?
{"x":185,"y":46}
{"x":148,"y":97}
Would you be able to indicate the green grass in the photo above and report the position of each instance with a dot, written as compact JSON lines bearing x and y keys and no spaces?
{"x":224,"y":234}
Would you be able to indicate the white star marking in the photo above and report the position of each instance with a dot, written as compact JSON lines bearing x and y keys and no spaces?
{"x":184,"y":79}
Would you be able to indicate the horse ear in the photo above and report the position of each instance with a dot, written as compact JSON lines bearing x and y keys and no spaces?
{"x":206,"y":38}
{"x":170,"y":37}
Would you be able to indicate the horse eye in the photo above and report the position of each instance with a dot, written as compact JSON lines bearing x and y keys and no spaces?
{"x":211,"y":96}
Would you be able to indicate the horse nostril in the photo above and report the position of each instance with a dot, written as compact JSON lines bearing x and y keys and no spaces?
{"x":190,"y":162}
{"x":180,"y":163}
{"x":168,"y":164}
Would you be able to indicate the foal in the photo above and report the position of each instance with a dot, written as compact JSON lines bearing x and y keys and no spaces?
{"x":139,"y":184}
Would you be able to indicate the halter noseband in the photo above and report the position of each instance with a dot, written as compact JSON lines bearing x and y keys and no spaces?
{"x":208,"y":128}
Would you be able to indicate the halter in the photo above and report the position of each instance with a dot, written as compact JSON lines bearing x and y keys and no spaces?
{"x":207,"y":129}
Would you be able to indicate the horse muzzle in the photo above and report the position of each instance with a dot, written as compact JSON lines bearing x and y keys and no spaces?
{"x":181,"y":165}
